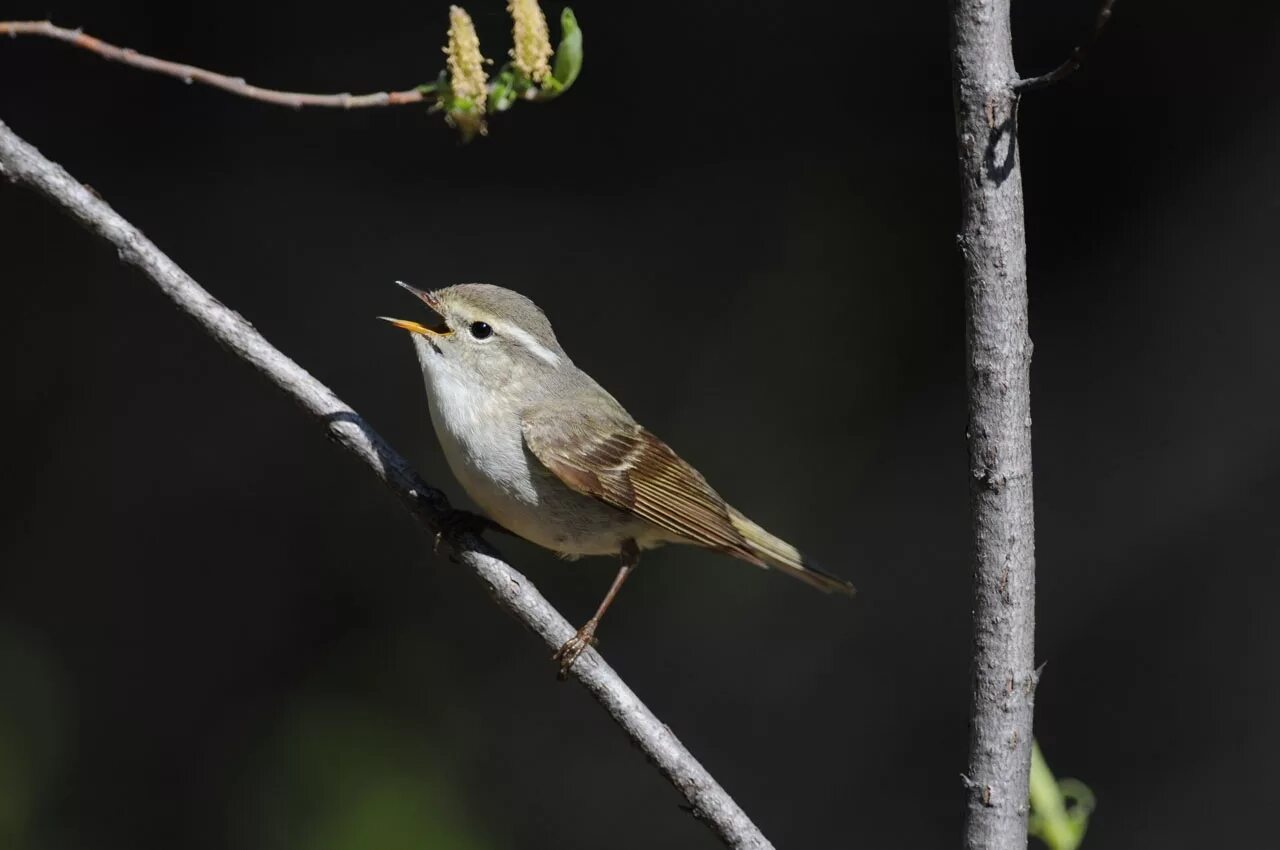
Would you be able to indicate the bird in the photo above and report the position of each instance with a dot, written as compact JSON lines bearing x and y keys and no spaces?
{"x":549,"y":455}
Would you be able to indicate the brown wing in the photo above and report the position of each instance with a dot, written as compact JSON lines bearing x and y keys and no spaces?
{"x":623,"y":465}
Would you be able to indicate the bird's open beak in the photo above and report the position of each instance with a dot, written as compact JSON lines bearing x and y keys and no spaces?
{"x":437,"y":328}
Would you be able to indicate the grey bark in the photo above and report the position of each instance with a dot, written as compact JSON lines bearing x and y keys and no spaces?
{"x":993,"y":244}
{"x":516,"y":594}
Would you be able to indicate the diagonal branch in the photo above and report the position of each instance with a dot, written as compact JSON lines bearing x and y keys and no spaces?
{"x":22,"y":163}
{"x":192,"y":74}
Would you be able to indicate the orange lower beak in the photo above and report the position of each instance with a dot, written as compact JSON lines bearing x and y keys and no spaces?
{"x":413,"y":327}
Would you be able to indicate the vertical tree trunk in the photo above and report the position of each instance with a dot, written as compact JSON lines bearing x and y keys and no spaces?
{"x":993,"y":245}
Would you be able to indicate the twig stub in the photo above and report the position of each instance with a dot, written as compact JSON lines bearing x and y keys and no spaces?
{"x":1074,"y":62}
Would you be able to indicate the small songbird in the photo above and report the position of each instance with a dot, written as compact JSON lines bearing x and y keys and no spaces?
{"x":549,"y":455}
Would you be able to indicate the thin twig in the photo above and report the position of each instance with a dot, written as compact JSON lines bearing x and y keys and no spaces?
{"x":192,"y":74}
{"x":515,"y":593}
{"x":998,"y":377}
{"x":1072,"y":64}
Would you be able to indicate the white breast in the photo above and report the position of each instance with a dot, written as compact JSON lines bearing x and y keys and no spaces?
{"x":482,"y":442}
{"x":480,"y":433}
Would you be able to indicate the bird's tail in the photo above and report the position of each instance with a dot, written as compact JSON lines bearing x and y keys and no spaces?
{"x":770,"y":551}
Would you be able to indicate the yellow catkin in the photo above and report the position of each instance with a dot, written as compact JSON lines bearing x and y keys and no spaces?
{"x":466,"y":66}
{"x":532,"y":51}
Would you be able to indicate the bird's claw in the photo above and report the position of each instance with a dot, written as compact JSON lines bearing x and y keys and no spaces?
{"x":574,"y":647}
{"x":458,"y":522}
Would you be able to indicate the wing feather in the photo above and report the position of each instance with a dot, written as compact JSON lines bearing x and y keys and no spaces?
{"x":616,"y":461}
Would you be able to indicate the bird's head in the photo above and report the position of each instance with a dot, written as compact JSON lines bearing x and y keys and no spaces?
{"x":484,"y":336}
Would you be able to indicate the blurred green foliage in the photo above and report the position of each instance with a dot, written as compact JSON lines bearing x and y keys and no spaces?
{"x":342,"y":776}
{"x":1059,"y":809}
{"x":33,"y":732}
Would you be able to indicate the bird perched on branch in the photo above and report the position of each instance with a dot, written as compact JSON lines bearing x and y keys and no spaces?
{"x":553,"y":457}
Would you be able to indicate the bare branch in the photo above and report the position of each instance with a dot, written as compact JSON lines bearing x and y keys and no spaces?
{"x":1072,"y":64}
{"x":998,"y":348}
{"x":515,"y":593}
{"x":190,"y":73}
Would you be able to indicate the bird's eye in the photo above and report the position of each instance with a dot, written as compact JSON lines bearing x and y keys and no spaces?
{"x":481,"y":330}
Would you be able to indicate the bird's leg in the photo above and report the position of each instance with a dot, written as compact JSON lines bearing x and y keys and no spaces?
{"x":586,"y":635}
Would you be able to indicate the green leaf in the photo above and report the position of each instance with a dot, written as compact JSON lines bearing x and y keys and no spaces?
{"x":568,"y":61}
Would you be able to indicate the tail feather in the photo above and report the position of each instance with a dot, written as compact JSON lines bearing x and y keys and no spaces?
{"x":770,"y":551}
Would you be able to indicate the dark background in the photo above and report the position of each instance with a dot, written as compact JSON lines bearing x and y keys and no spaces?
{"x":218,"y":631}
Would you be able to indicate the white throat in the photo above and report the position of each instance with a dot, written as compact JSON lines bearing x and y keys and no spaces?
{"x":479,"y":431}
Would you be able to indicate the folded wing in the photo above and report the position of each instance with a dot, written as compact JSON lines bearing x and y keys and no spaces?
{"x":623,"y":465}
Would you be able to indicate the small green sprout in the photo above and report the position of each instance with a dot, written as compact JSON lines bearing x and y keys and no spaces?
{"x":1059,"y":810}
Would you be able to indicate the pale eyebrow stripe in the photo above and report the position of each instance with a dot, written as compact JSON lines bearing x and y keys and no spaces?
{"x":527,"y":339}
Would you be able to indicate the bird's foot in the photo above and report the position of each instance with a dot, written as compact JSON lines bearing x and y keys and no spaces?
{"x":458,"y":522}
{"x":574,"y":647}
